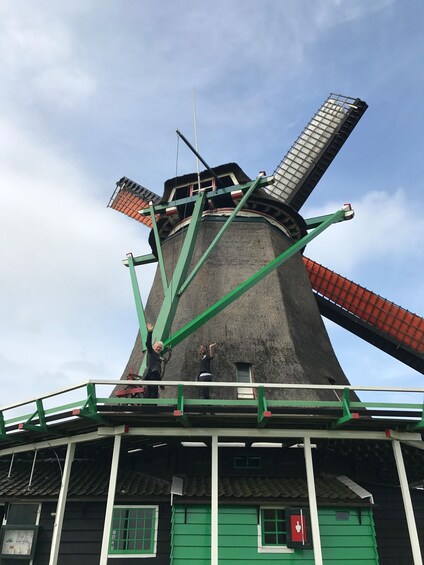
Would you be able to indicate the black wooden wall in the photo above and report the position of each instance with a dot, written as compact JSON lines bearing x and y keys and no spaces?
{"x":394,"y":547}
{"x":82,"y":535}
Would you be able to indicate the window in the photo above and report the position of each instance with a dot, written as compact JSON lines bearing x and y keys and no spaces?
{"x":18,"y":536}
{"x":134,"y":531}
{"x":22,"y":513}
{"x":244,"y":375}
{"x":247,"y":462}
{"x":208,"y":185}
{"x":272,"y":531}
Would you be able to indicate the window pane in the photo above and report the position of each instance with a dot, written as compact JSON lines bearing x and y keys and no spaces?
{"x":133,"y":530}
{"x":268,"y":514}
{"x":243,"y":372}
{"x":273,"y":526}
{"x":25,"y":514}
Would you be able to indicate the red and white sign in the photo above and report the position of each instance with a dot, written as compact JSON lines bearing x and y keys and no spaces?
{"x":298,"y":528}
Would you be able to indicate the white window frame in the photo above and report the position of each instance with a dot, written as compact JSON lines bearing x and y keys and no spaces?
{"x":245,"y":393}
{"x":270,"y":548}
{"x":124,"y":555}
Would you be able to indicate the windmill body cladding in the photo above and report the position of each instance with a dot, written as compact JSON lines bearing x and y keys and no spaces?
{"x":274,"y":328}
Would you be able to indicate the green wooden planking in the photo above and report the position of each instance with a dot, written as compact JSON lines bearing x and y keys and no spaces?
{"x":337,"y":541}
{"x":350,"y":530}
{"x":350,"y":550}
{"x":344,"y":542}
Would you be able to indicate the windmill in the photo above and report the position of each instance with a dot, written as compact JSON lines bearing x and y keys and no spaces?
{"x":226,"y":194}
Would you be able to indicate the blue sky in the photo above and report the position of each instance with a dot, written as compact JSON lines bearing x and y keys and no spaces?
{"x":94,"y":89}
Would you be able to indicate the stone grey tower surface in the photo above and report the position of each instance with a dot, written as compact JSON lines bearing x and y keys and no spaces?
{"x":274,"y":332}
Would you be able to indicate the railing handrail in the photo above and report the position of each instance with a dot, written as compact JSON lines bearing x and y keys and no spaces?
{"x":195,"y":384}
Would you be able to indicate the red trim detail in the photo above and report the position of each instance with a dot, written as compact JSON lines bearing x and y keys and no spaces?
{"x":237,"y":194}
{"x":178,"y":413}
{"x":76,"y":412}
{"x":355,"y":415}
{"x":267,"y":414}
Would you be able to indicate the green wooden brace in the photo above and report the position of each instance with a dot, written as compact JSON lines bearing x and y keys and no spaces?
{"x":263,"y":413}
{"x":347,"y":414}
{"x":179,"y":412}
{"x":89,"y":408}
{"x":41,"y":415}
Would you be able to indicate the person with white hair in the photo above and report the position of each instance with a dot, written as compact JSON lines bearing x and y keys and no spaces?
{"x":153,"y":370}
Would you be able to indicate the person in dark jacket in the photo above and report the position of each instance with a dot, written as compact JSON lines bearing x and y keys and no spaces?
{"x":204,"y":373}
{"x":153,"y":370}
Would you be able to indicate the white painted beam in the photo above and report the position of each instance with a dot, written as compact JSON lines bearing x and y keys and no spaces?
{"x":110,"y":499}
{"x":407,"y":502}
{"x":214,"y":501}
{"x":313,"y":508}
{"x":61,"y":504}
{"x":262,"y":434}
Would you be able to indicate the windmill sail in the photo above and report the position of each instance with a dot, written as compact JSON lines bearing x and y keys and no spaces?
{"x":379,"y":321}
{"x":313,"y":151}
{"x":130,"y":197}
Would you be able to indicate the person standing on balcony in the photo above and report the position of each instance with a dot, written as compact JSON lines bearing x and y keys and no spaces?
{"x":204,"y":373}
{"x":153,"y":370}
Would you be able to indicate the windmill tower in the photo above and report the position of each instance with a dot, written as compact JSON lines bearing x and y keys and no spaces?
{"x":231,"y":270}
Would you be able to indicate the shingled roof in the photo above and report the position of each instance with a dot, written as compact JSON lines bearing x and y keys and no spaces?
{"x":89,"y":480}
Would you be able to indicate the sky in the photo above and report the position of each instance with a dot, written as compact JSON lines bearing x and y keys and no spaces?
{"x":93,"y":90}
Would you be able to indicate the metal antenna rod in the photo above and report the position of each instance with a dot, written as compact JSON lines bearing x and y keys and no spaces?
{"x":189,"y":145}
{"x":195,"y":138}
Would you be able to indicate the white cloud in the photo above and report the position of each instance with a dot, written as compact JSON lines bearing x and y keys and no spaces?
{"x":65,"y":86}
{"x":40,"y":46}
{"x":335,"y":12}
{"x":64,"y":289}
{"x":380,"y":228}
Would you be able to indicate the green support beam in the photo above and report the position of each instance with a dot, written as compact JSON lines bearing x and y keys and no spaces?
{"x":263,"y":413}
{"x":89,"y":408}
{"x":138,"y":302}
{"x":213,"y":310}
{"x":3,"y":433}
{"x":141,"y":260}
{"x":159,"y":248}
{"x":38,"y":414}
{"x":160,"y":208}
{"x":179,"y":412}
{"x":171,"y":299}
{"x":312,"y":223}
{"x":347,"y":414}
{"x":219,"y":235}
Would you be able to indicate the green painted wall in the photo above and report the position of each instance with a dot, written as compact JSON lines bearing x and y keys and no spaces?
{"x":344,"y":542}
